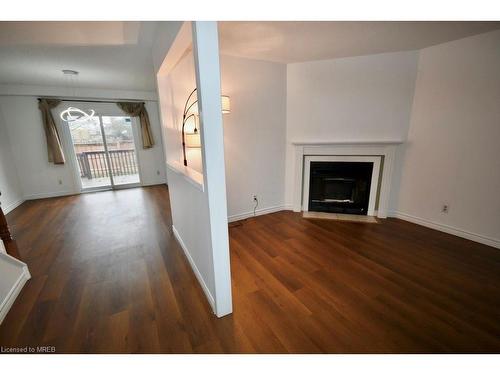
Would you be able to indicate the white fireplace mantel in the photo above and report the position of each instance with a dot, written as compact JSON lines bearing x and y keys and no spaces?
{"x":384,"y":148}
{"x":333,"y":143}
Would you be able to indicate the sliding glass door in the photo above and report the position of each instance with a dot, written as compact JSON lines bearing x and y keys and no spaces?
{"x":90,"y":151}
{"x":105,"y":152}
{"x":119,"y":137}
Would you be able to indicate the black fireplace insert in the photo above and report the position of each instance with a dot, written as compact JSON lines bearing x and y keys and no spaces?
{"x":340,"y":187}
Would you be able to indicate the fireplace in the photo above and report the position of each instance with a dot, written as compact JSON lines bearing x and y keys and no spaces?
{"x":340,"y":187}
{"x":381,"y":154}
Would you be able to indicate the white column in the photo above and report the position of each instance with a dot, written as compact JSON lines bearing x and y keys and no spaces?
{"x":206,"y":55}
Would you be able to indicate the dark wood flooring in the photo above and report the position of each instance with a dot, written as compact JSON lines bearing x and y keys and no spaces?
{"x":109,"y":277}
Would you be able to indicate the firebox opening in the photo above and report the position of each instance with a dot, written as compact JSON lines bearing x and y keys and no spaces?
{"x":340,"y":187}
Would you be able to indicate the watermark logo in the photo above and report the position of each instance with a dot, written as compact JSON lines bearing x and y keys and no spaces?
{"x":27,"y":349}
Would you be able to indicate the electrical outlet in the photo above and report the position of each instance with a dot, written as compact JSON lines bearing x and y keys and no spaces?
{"x":60,"y":182}
{"x":158,"y":173}
{"x":255,"y":198}
{"x":445,"y":208}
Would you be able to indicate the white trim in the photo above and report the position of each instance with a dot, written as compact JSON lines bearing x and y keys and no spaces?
{"x":195,"y":269}
{"x":326,"y":143}
{"x":50,"y":195}
{"x":298,"y":178}
{"x":134,"y":123}
{"x":154,"y":183}
{"x":361,"y":148}
{"x":132,"y":185}
{"x":207,"y":68}
{"x":84,"y":93}
{"x":447,"y":229}
{"x":375,"y":160}
{"x":24,"y":276}
{"x":192,"y":176}
{"x":9,"y":207}
{"x":261,"y":211}
{"x":85,"y":191}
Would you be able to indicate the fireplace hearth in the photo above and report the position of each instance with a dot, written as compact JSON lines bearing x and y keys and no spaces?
{"x":340,"y":187}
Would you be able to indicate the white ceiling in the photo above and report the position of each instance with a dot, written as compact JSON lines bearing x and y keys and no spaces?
{"x":117,"y":55}
{"x":108,"y":55}
{"x":289,"y":42}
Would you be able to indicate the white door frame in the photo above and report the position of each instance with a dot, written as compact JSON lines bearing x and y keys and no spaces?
{"x":137,"y":145}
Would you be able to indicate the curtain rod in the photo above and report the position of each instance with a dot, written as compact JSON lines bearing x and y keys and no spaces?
{"x":97,"y":100}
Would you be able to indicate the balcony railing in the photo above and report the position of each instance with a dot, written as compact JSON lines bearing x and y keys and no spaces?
{"x":93,"y":164}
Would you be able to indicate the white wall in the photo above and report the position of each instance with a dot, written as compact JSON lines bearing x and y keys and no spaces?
{"x":188,"y":201}
{"x":366,"y":98}
{"x":254,"y":134}
{"x":151,"y":160}
{"x":453,"y":152}
{"x":179,"y":84}
{"x":38,"y":178}
{"x":12,"y":194}
{"x":254,"y":131}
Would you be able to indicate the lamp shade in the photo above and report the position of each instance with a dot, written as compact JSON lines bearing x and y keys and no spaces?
{"x":226,"y":104}
{"x":193,"y":140}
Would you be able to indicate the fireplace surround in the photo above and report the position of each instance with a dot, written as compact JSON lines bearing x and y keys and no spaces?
{"x":382,"y":153}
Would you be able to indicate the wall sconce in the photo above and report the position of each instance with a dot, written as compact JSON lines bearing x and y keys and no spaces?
{"x":192,"y":139}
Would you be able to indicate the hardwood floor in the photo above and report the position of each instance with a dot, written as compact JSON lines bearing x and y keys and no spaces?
{"x":109,"y":277}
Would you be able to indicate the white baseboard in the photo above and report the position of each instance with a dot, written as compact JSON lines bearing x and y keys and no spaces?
{"x":195,"y":269}
{"x":55,"y":194}
{"x":261,"y":211}
{"x":50,"y":195}
{"x":9,"y":207}
{"x":447,"y":229}
{"x":154,"y":183}
{"x":16,"y":288}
